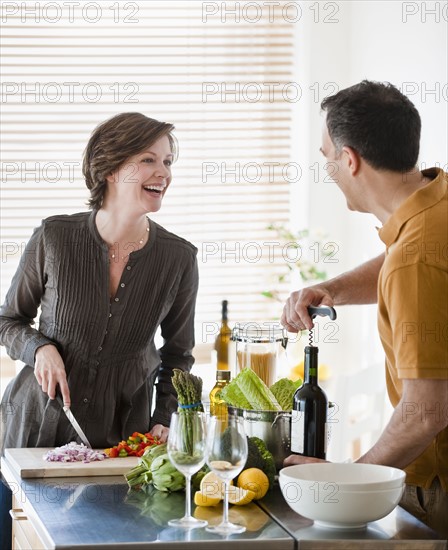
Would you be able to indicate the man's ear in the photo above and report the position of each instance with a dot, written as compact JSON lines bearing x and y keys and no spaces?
{"x":352,"y":159}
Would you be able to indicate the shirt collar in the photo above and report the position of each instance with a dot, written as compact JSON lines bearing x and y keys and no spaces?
{"x":422,"y":199}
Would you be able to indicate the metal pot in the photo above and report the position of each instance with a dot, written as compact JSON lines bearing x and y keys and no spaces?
{"x":273,"y":427}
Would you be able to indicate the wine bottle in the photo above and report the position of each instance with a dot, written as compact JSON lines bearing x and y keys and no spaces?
{"x":222,"y":341}
{"x":218,"y":406}
{"x":309,"y":413}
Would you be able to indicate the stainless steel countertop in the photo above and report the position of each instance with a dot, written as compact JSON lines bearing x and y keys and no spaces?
{"x":99,"y":512}
{"x":397,"y":530}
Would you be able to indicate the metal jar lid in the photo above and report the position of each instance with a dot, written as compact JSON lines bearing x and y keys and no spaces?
{"x":259,"y":333}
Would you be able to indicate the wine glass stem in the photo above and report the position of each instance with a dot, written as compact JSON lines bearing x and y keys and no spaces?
{"x":187,"y":495}
{"x":226,"y":502}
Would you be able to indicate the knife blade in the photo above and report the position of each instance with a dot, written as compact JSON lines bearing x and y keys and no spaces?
{"x":72,"y":419}
{"x":76,"y":426}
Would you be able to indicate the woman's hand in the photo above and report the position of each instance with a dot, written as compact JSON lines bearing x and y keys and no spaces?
{"x":49,"y":371}
{"x":160,"y":432}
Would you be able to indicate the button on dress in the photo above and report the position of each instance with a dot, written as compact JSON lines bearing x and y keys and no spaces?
{"x":107,"y":345}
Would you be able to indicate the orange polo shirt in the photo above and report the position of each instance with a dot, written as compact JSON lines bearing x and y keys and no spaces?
{"x":413,"y":311}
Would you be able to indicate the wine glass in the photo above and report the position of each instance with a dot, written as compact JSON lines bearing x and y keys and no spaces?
{"x":186,"y":450}
{"x":226,"y":456}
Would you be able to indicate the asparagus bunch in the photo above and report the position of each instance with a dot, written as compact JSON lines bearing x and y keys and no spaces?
{"x":189,"y":395}
{"x":189,"y":390}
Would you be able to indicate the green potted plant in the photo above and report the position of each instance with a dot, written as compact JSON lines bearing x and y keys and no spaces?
{"x":306,"y":255}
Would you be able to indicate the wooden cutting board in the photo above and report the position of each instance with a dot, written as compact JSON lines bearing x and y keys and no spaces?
{"x":29,"y":463}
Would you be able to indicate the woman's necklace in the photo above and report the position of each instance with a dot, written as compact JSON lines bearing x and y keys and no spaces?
{"x":140,"y":242}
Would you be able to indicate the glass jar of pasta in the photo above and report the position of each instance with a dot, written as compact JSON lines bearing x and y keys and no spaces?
{"x":260,"y":346}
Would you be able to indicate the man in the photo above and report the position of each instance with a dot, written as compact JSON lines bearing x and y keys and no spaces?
{"x":371,"y":135}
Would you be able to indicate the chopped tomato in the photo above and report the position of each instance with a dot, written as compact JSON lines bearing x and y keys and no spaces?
{"x":113,"y":452}
{"x":135,"y":445}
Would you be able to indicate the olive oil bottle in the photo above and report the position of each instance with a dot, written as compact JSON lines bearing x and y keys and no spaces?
{"x":218,"y":406}
{"x":222,"y":341}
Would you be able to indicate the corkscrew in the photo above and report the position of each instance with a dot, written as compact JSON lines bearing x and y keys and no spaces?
{"x":322,"y":311}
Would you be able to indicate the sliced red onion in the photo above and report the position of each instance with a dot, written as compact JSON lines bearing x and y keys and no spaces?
{"x":74,"y":452}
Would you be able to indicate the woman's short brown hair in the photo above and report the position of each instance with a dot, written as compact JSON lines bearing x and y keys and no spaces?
{"x":113,"y":142}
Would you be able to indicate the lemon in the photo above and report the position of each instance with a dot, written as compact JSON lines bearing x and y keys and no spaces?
{"x":221,"y":465}
{"x":297,"y":372}
{"x":255,"y":480}
{"x":212,"y":514}
{"x":324,"y":372}
{"x":240,"y":496}
{"x":204,"y":499}
{"x":212,"y":485}
{"x":238,"y":514}
{"x":255,"y":518}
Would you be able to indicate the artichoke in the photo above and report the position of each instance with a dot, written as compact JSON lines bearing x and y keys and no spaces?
{"x":160,"y":507}
{"x":141,"y":474}
{"x":151,"y":453}
{"x":165,"y":477}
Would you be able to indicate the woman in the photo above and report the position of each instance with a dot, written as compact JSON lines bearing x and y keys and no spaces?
{"x":105,"y":280}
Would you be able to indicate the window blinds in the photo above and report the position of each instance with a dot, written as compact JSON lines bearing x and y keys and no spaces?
{"x":223,"y":73}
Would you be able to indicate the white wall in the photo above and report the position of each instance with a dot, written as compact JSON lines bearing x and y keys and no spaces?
{"x":411,"y":52}
{"x":377,"y":40}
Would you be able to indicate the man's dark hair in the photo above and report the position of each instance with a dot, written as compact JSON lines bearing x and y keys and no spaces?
{"x":376,"y":120}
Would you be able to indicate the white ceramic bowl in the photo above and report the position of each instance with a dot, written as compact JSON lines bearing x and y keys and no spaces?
{"x":344,"y":496}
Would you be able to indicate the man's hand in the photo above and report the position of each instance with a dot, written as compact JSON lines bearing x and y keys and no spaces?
{"x":160,"y":432}
{"x":49,"y":371}
{"x":295,"y":314}
{"x":299,"y":459}
{"x":358,"y":286}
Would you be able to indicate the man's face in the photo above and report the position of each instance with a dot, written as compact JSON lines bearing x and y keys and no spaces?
{"x":337,"y":167}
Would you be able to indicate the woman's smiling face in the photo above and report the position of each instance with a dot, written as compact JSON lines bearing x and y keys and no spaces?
{"x":141,"y":182}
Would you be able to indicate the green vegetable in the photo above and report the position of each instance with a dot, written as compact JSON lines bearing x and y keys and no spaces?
{"x":284,"y":390}
{"x":229,"y":441}
{"x":235,"y":397}
{"x":189,"y":390}
{"x":256,"y":393}
{"x":159,"y":506}
{"x":165,"y":477}
{"x":141,"y":474}
{"x":258,"y":456}
{"x":189,"y":394}
{"x":151,"y":453}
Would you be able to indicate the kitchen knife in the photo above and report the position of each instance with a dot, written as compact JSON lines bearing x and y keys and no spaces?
{"x":72,"y":420}
{"x":76,"y":426}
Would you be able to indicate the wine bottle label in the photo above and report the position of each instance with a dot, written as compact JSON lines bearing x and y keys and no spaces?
{"x":297,"y":431}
